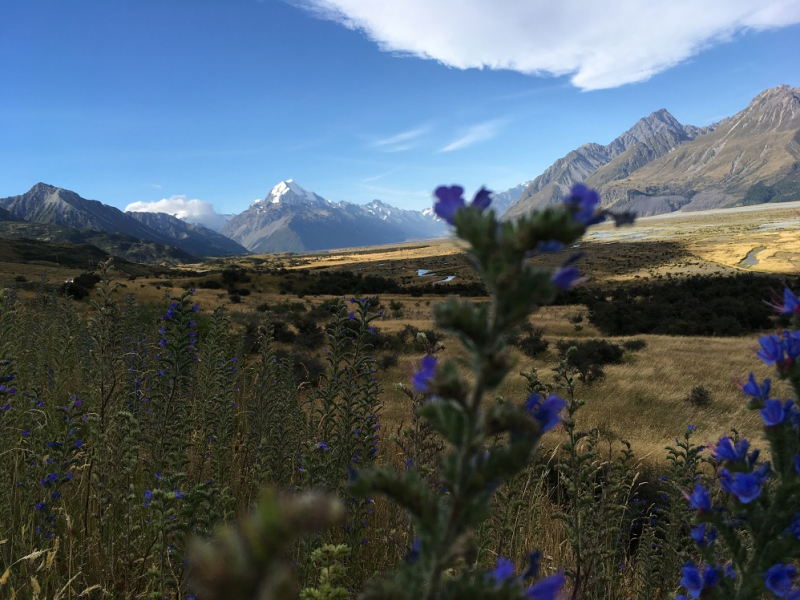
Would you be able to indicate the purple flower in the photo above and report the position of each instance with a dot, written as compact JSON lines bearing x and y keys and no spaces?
{"x":547,"y":588}
{"x":422,"y":378}
{"x":546,"y":412}
{"x":178,"y":494}
{"x":482,"y":199}
{"x":323,"y":446}
{"x":451,"y":201}
{"x":566,"y":277}
{"x":699,"y":499}
{"x":797,"y":464}
{"x":778,"y":579}
{"x":583,"y":202}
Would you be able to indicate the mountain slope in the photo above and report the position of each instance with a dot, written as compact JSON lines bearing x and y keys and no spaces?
{"x":291,"y":219}
{"x":660,"y":165}
{"x":194,"y":239}
{"x":649,"y":138}
{"x":751,"y":157}
{"x":50,"y":205}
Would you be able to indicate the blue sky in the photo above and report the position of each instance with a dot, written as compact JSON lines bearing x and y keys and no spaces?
{"x":217,"y":101}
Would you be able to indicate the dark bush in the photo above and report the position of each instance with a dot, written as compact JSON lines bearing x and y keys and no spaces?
{"x":20,"y":279}
{"x":699,"y":396}
{"x":701,"y":305}
{"x":209,"y":284}
{"x":309,"y":334}
{"x":263,"y":307}
{"x":235,"y":298}
{"x":529,"y":341}
{"x":634,"y":345}
{"x":591,"y":356}
{"x":388,"y":361}
{"x":232,"y":275}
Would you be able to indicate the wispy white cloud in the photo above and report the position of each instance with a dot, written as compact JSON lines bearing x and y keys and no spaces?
{"x":379,"y":176}
{"x":476,"y":133}
{"x":399,"y":142}
{"x":598,"y":44}
{"x":192,"y":211}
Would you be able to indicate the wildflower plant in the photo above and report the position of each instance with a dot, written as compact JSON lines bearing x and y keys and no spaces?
{"x":487,"y":444}
{"x":748,"y":533}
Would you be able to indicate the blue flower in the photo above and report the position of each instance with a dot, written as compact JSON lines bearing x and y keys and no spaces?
{"x":566,"y":277}
{"x":778,"y":579}
{"x":725,"y":450}
{"x":745,"y":486}
{"x":771,"y":349}
{"x":774,"y":412}
{"x":752,"y":388}
{"x":503,"y":571}
{"x":547,"y":588}
{"x":178,"y":494}
{"x":695,"y":582}
{"x":794,"y":528}
{"x":323,"y":446}
{"x":583,"y":202}
{"x":698,"y":534}
{"x":412,"y":555}
{"x":422,"y":378}
{"x":699,"y":499}
{"x":534,"y":564}
{"x":546,"y":412}
{"x":790,"y":304}
{"x":797,"y":464}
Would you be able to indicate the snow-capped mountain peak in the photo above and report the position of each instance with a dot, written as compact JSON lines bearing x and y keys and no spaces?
{"x":288,"y":192}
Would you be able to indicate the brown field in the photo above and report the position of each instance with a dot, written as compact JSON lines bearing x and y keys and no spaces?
{"x":641,"y":400}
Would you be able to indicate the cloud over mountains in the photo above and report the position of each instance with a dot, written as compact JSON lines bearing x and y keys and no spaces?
{"x":598,"y":44}
{"x":193,"y":211}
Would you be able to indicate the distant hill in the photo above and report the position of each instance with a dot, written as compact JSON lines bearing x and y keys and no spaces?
{"x":50,"y":205}
{"x":291,"y":219}
{"x":660,"y":165}
{"x":114,"y":244}
{"x":82,"y":257}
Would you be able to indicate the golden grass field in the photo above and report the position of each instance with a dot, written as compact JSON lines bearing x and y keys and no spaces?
{"x":641,"y":400}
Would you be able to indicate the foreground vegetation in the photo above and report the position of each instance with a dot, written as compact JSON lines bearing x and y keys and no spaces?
{"x":131,"y":431}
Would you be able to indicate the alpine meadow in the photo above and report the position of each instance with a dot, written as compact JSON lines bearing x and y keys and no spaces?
{"x":572,"y":375}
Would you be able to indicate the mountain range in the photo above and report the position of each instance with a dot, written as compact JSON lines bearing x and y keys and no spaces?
{"x":660,"y":165}
{"x":291,"y":219}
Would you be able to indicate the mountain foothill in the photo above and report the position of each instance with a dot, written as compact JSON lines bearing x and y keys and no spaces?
{"x":657,"y":166}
